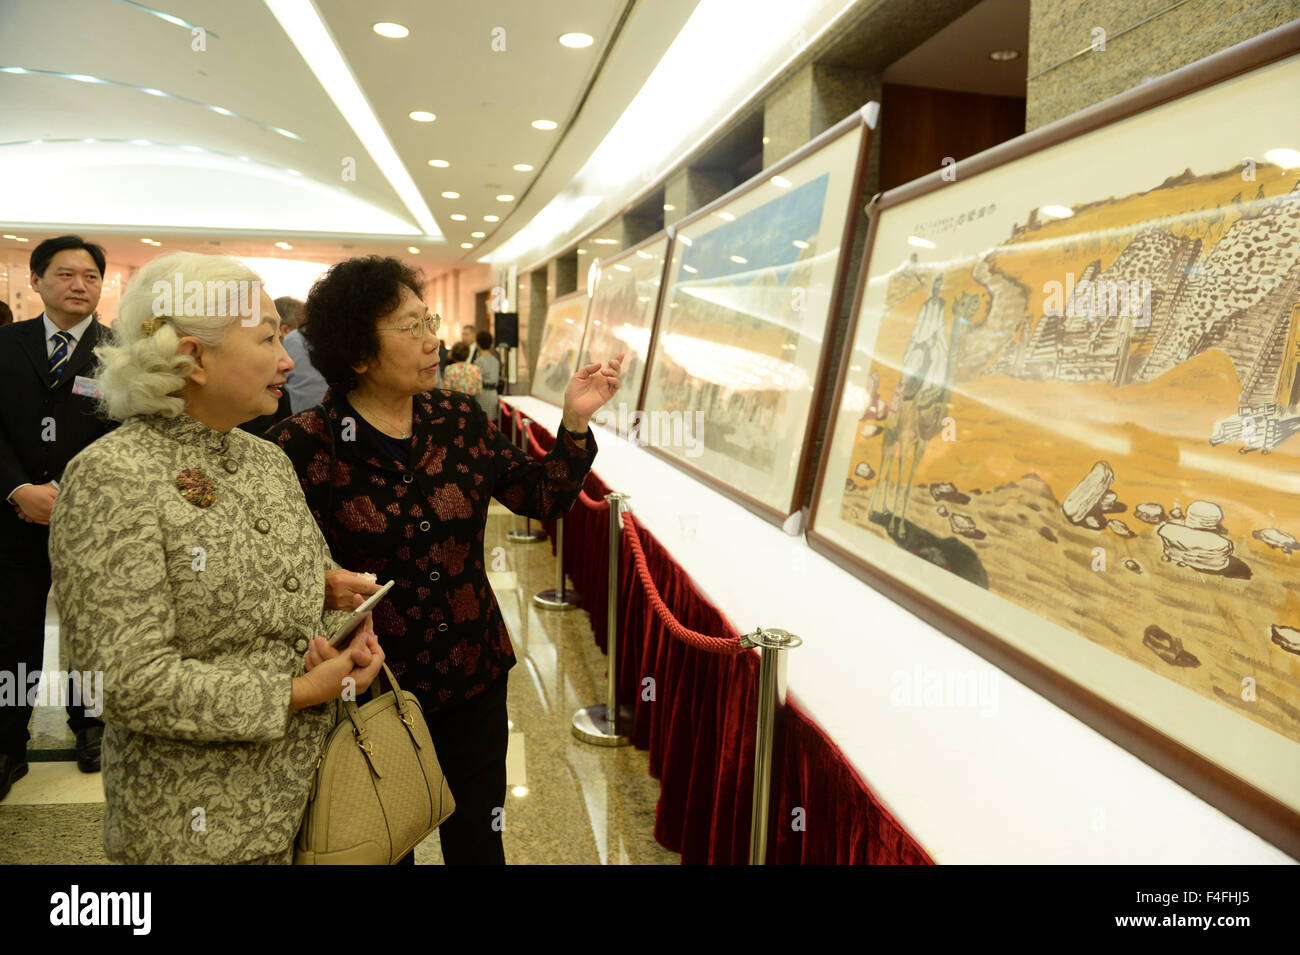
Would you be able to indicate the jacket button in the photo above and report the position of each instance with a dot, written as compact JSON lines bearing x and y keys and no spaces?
{"x":300,"y":646}
{"x":434,"y":575}
{"x":442,"y":627}
{"x":424,"y":525}
{"x":291,"y":584}
{"x":230,"y":466}
{"x":263,"y":525}
{"x":407,"y":479}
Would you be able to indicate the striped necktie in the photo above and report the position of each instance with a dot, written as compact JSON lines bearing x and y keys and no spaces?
{"x":59,"y":357}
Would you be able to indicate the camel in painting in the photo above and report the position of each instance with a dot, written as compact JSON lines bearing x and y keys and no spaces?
{"x":919,"y":405}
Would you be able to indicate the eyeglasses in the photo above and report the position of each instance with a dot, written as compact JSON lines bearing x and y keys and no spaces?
{"x":418,"y":328}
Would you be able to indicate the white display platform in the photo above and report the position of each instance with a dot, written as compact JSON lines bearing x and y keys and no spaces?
{"x":1007,"y":778}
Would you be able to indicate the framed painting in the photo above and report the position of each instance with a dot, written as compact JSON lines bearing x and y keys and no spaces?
{"x":1066,"y":428}
{"x":625,"y":296}
{"x":557,"y":355}
{"x":753,"y":284}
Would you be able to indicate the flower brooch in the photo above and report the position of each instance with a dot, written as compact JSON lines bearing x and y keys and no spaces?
{"x":196,"y":487}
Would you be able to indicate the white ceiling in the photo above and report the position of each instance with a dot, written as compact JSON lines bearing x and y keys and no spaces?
{"x":485,"y":100}
{"x":957,"y":57}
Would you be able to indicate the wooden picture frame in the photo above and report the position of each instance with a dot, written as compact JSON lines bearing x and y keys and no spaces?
{"x":566,"y":324}
{"x":628,"y":285}
{"x":1166,"y":649}
{"x":727,"y":336}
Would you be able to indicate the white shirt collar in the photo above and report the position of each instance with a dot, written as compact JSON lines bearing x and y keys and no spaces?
{"x":76,"y":331}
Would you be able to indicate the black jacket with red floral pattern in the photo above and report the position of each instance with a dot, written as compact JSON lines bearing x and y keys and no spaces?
{"x":422,"y":527}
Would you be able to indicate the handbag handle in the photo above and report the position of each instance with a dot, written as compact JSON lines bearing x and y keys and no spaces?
{"x":359,"y":731}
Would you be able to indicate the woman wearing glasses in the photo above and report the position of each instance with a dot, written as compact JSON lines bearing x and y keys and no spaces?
{"x":399,"y":476}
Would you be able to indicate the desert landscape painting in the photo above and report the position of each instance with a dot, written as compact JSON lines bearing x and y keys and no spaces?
{"x":1098,"y":418}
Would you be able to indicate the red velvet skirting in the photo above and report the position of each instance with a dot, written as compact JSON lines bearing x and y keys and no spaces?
{"x":696,"y":713}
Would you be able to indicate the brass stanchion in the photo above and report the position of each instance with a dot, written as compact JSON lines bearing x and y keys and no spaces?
{"x":529,"y":534}
{"x":601,"y":724}
{"x":771,"y":707}
{"x":558,"y":598}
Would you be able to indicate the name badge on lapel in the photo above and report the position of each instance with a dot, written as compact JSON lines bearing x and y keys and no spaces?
{"x":86,"y":386}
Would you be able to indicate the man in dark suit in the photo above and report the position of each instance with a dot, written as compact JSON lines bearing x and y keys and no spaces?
{"x":49,"y":415}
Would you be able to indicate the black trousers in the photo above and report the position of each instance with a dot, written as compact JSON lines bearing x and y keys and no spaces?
{"x":471,"y":743}
{"x":24,"y":585}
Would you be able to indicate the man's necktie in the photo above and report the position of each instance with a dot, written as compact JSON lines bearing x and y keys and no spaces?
{"x":59,"y":357}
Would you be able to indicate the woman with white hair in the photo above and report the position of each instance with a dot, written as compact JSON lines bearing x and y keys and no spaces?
{"x":190,"y":573}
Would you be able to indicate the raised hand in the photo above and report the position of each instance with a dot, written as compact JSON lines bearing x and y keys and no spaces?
{"x":590,"y":389}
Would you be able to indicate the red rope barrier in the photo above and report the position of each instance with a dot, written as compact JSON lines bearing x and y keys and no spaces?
{"x":728,"y":646}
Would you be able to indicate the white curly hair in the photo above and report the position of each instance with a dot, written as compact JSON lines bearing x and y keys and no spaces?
{"x":141,"y":373}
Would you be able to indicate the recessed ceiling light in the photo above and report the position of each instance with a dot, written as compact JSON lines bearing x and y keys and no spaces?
{"x":505,"y":197}
{"x":522,"y":167}
{"x":1004,"y":55}
{"x":669,"y":207}
{"x":780,"y":182}
{"x":740,"y":260}
{"x":21,"y":238}
{"x":726,"y":215}
{"x":477,"y":235}
{"x":491,"y":218}
{"x":145,"y":241}
{"x":439,"y":163}
{"x":576,"y":41}
{"x":800,"y":244}
{"x":283,"y":245}
{"x":605,"y":241}
{"x":394,"y":31}
{"x":582,"y":251}
{"x":457,"y":217}
{"x":467,"y":245}
{"x":544,"y":124}
{"x":413,"y":250}
{"x":422,"y":116}
{"x":451,"y":195}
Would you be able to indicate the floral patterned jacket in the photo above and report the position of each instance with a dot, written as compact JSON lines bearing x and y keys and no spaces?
{"x":188,"y":570}
{"x":422,"y":526}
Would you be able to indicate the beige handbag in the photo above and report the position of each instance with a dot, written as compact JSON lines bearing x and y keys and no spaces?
{"x":378,"y":789}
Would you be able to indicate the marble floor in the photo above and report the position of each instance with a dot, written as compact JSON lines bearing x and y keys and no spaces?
{"x":567,"y":802}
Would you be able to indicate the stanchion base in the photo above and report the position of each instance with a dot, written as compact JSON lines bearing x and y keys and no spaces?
{"x":526,"y":537}
{"x":556,"y":600}
{"x":591,"y":726}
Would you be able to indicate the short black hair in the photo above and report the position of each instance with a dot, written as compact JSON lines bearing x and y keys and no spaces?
{"x":44,"y":253}
{"x":6,"y":315}
{"x":484,"y":340}
{"x":341,"y":310}
{"x":459,"y":352}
